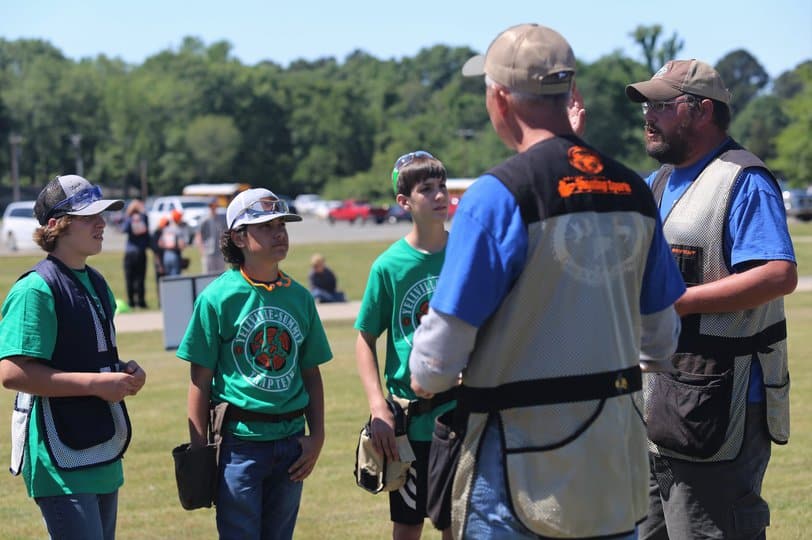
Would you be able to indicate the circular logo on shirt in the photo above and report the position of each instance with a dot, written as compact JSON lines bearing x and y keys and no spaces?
{"x":415,"y":304}
{"x":266,"y":348}
{"x":595,"y":248}
{"x":585,"y":160}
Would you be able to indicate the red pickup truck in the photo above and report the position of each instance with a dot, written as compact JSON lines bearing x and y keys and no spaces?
{"x":353,"y":210}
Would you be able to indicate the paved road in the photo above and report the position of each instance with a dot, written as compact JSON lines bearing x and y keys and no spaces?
{"x":147,"y":321}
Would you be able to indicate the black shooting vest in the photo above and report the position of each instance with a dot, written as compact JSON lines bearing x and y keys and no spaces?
{"x":81,"y":431}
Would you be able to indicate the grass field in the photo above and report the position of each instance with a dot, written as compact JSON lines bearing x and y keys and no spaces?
{"x":332,"y":506}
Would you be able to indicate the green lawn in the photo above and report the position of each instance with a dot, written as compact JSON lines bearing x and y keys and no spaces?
{"x":332,"y":506}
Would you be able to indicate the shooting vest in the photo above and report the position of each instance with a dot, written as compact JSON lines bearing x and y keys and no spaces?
{"x":699,"y":414}
{"x":557,"y":363}
{"x":82,"y":431}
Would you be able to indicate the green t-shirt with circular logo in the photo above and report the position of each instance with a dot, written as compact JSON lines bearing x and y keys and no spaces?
{"x":257,"y":339}
{"x":400,"y":285}
{"x":29,"y":328}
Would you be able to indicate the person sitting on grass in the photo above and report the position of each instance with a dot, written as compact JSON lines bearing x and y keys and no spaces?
{"x":323,"y":281}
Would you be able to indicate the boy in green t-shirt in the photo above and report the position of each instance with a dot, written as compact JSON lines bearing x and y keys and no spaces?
{"x":401,"y":282}
{"x":255,"y":341}
{"x":58,"y":350}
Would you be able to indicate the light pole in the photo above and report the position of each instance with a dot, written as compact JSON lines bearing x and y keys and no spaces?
{"x":15,"y":141}
{"x":76,"y":141}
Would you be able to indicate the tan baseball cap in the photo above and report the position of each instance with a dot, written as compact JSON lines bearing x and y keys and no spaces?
{"x":528,"y":58}
{"x":679,"y":77}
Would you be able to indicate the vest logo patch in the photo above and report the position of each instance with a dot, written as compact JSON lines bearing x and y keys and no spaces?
{"x":266,"y":348}
{"x":574,"y":185}
{"x":584,"y":160}
{"x":593,"y":250}
{"x":589,"y":162}
{"x":415,"y":304}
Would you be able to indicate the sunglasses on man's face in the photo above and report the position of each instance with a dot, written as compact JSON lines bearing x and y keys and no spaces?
{"x":659,"y":107}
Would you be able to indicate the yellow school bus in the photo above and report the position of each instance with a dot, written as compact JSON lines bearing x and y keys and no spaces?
{"x":223,"y":192}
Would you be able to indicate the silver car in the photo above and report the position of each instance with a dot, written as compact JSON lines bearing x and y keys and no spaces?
{"x":798,"y":202}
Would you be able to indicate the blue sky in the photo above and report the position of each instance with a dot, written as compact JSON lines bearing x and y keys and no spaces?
{"x":777,"y":32}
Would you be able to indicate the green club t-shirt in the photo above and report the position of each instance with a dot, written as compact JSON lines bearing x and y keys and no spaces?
{"x":29,"y":328}
{"x":400,"y":285}
{"x":257,"y":340}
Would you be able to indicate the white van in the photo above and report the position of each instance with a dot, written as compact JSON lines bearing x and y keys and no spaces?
{"x":194,"y":209}
{"x":19,"y":225}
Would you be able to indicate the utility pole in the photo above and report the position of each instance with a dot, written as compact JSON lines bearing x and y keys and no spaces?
{"x":76,"y":141}
{"x":15,"y":141}
{"x":143,"y":171}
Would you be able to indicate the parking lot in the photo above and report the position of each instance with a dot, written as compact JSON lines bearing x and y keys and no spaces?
{"x":309,"y":231}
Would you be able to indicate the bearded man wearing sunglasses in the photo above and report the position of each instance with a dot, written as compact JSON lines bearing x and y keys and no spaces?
{"x":710,"y":423}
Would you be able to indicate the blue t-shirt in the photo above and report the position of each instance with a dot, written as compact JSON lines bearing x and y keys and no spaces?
{"x":756,"y":228}
{"x":487,"y":250}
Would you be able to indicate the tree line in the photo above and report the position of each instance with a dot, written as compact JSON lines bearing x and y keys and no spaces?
{"x":197,"y":114}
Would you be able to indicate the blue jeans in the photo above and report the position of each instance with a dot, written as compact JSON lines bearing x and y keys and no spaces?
{"x":489,"y":515}
{"x":83,"y":516}
{"x":323,"y":295}
{"x":256,"y":499}
{"x":171,"y":262}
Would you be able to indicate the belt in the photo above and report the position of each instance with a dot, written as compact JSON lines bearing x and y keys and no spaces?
{"x":236,"y":414}
{"x":423,"y":406}
{"x":567,"y":389}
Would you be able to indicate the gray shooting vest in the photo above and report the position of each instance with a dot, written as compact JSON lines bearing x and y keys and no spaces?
{"x":557,"y":364}
{"x":716,"y":350}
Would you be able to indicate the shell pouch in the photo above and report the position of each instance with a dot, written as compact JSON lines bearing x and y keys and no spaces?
{"x":19,"y":430}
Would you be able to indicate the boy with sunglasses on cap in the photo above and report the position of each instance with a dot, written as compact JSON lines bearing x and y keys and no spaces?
{"x":58,"y":351}
{"x":255,"y":342}
{"x":401,"y":283}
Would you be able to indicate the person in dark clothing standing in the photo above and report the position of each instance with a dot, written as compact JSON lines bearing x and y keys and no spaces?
{"x":158,"y":254}
{"x":136,"y":227}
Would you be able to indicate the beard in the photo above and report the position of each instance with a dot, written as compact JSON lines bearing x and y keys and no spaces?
{"x":673,"y":148}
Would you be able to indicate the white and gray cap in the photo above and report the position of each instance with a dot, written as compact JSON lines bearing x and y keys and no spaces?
{"x":257,"y":205}
{"x":71,"y":195}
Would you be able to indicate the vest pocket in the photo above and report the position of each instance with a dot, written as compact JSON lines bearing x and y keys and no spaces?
{"x":777,"y":397}
{"x":689,"y":413}
{"x":776,"y":391}
{"x":82,"y":422}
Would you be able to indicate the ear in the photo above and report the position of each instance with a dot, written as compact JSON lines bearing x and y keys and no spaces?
{"x":237,"y":238}
{"x":403,"y":201}
{"x":705,"y":111}
{"x":502,"y":100}
{"x":51,"y":223}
